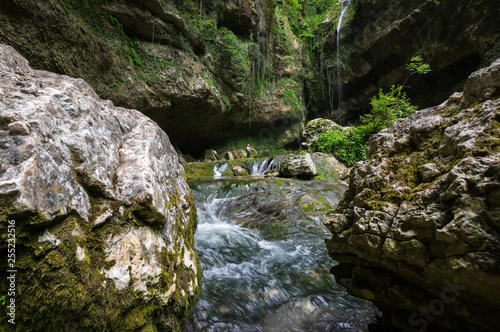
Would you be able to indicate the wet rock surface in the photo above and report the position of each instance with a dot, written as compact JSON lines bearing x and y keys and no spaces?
{"x":103,"y":215}
{"x":417,"y":232}
{"x":276,"y":207}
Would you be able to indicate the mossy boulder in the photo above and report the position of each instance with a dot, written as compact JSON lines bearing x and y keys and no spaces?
{"x":420,"y":221}
{"x":315,"y":128}
{"x":299,"y":166}
{"x":99,"y":205}
{"x":329,"y":168}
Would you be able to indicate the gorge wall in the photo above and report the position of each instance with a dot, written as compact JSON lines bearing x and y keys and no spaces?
{"x":196,"y":71}
{"x":417,"y":232}
{"x":454,"y":37}
{"x":96,"y":216}
{"x":211,"y":72}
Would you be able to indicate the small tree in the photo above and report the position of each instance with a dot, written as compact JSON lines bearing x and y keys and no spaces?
{"x":349,"y":146}
{"x":387,"y":108}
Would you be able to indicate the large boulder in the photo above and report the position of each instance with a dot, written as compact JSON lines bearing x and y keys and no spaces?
{"x":329,"y":168}
{"x":315,"y":128}
{"x":417,"y":232}
{"x":299,"y":166}
{"x":99,"y":205}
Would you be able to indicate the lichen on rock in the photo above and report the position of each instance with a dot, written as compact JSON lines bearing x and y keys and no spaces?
{"x":420,"y":218}
{"x":103,"y":215}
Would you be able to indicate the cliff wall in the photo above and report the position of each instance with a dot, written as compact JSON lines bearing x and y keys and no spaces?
{"x":380,"y":37}
{"x":206,"y":72}
{"x":417,"y":232}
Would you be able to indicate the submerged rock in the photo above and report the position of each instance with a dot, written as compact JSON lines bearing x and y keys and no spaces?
{"x":103,"y":216}
{"x":274,"y":206}
{"x":417,"y":232}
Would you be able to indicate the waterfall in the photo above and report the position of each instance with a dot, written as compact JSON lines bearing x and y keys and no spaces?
{"x":219,"y":169}
{"x":343,"y":8}
{"x":261,"y":167}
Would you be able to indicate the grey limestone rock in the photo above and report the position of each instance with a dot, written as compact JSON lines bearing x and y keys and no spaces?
{"x":100,"y":198}
{"x":299,"y":166}
{"x":422,"y":212}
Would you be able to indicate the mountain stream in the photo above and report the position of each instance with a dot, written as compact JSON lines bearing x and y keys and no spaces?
{"x":265,"y":263}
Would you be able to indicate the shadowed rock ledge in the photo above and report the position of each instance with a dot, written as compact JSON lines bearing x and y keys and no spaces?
{"x":417,"y":232}
{"x":103,"y":217}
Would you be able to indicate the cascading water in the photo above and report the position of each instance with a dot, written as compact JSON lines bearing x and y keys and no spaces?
{"x":219,"y":169}
{"x":343,"y":9}
{"x":251,"y":283}
{"x":254,"y":168}
{"x":260,"y":168}
{"x":266,"y":165}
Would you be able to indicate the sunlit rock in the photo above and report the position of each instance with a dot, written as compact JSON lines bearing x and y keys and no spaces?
{"x":101,"y":207}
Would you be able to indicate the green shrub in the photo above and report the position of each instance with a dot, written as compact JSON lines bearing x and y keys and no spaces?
{"x":233,"y":51}
{"x":348,"y":147}
{"x":387,"y":108}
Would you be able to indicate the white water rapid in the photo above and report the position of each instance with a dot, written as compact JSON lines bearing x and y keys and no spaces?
{"x":219,"y":169}
{"x":253,"y":283}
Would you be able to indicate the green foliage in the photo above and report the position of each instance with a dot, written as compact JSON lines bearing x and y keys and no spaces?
{"x":208,"y":29}
{"x":417,"y":65}
{"x":387,"y":108}
{"x":291,"y":94}
{"x":347,"y":146}
{"x":232,"y":50}
{"x":104,"y":25}
{"x":129,"y":53}
{"x":306,"y":16}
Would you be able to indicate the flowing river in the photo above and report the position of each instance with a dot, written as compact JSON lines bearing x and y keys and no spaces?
{"x":264,"y":260}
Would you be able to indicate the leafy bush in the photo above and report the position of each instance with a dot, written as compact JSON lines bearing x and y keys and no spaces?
{"x":387,"y":108}
{"x":233,"y":51}
{"x":350,"y":147}
{"x":208,"y":29}
{"x":347,"y":146}
{"x":417,"y":66}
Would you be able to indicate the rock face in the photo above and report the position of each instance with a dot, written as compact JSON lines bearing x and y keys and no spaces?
{"x":104,"y":219}
{"x":383,"y":35}
{"x":417,"y":232}
{"x":300,"y":166}
{"x":163,"y":59}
